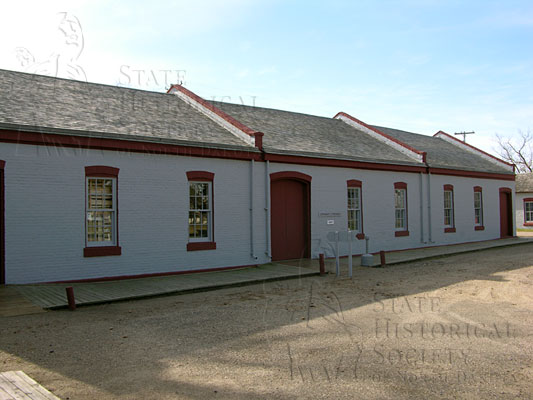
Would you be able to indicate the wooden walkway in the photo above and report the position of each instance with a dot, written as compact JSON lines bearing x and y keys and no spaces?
{"x":12,"y":303}
{"x":53,"y":296}
{"x":16,"y":385}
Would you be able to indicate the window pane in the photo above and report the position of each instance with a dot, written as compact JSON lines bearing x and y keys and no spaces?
{"x":447,"y":217}
{"x":100,"y":203}
{"x":199,"y":206}
{"x":399,"y":198}
{"x":477,"y":199}
{"x":447,"y":199}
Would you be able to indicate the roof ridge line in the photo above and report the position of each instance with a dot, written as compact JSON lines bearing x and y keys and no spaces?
{"x":472,"y":149}
{"x":237,"y":128}
{"x":383,"y":137}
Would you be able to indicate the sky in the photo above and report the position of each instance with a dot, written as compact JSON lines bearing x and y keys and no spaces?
{"x":416,"y":65}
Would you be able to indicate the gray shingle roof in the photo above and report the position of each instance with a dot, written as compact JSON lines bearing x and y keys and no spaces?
{"x":441,"y":154}
{"x":301,"y":134}
{"x":36,"y":102}
{"x":524,"y":183}
{"x":74,"y":107}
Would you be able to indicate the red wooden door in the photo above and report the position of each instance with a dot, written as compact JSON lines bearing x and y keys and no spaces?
{"x":2,"y":230}
{"x":289,"y":219}
{"x":506,"y":224}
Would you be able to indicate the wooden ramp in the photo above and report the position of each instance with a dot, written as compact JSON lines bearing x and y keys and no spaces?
{"x":16,"y":385}
{"x":13,"y":303}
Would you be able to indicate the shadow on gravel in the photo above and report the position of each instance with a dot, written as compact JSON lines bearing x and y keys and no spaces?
{"x":161,"y":345}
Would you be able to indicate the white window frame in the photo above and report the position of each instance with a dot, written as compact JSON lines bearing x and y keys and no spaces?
{"x":478,"y":208}
{"x":403,"y":219}
{"x":451,"y":209}
{"x":113,"y":210}
{"x":356,"y":210}
{"x":209,"y":211}
{"x":530,"y":212}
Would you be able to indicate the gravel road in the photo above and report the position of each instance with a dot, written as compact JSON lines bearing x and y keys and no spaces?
{"x":454,"y":327}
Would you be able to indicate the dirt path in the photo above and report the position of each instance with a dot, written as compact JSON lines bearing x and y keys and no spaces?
{"x":456,"y":327}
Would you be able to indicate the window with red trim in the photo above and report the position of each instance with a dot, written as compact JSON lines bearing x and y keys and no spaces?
{"x":101,"y":211}
{"x":478,"y":208}
{"x":449,"y":211}
{"x":201,"y":233}
{"x":528,"y":212}
{"x":400,"y":209}
{"x":355,"y":207}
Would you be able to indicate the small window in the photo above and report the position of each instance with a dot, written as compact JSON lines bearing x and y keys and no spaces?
{"x":354,"y":209}
{"x":200,"y":218}
{"x":400,"y":209}
{"x":101,"y":210}
{"x":449,"y":218}
{"x":478,"y":208}
{"x":200,"y":226}
{"x":528,"y":212}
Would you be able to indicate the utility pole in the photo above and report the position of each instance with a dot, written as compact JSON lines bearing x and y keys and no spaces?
{"x":464,"y":134}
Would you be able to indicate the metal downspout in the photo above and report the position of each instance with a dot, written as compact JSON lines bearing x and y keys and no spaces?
{"x":252,"y":247}
{"x":421,"y":181}
{"x":268,"y":251}
{"x":430,"y":238}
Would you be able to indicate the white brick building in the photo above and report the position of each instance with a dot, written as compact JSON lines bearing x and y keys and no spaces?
{"x":524,"y":201}
{"x":100,"y":181}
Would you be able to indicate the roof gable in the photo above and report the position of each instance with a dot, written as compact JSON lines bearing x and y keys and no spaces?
{"x":294,"y":133}
{"x":46,"y":104}
{"x":377,"y":134}
{"x":443,"y":154}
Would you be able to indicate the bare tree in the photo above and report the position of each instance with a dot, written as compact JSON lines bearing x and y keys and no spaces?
{"x":518,"y":151}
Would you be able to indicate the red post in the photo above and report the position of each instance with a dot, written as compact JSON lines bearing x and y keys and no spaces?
{"x":322,"y":265}
{"x":70,"y":298}
{"x":382,"y":258}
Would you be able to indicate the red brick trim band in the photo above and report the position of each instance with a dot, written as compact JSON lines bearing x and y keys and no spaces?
{"x":129,"y":145}
{"x":479,"y":228}
{"x":84,"y":142}
{"x":196,"y":246}
{"x":478,"y":189}
{"x":401,"y":233}
{"x":449,"y":230}
{"x":471,"y":174}
{"x":354,"y":183}
{"x":200,"y":176}
{"x":101,"y":170}
{"x":102,"y":251}
{"x":448,"y":187}
{"x":400,"y":185}
{"x":505,"y":190}
{"x":290,"y":175}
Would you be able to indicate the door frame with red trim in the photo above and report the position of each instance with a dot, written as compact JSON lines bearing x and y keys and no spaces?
{"x":2,"y":226}
{"x":507,"y":192}
{"x":306,"y":181}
